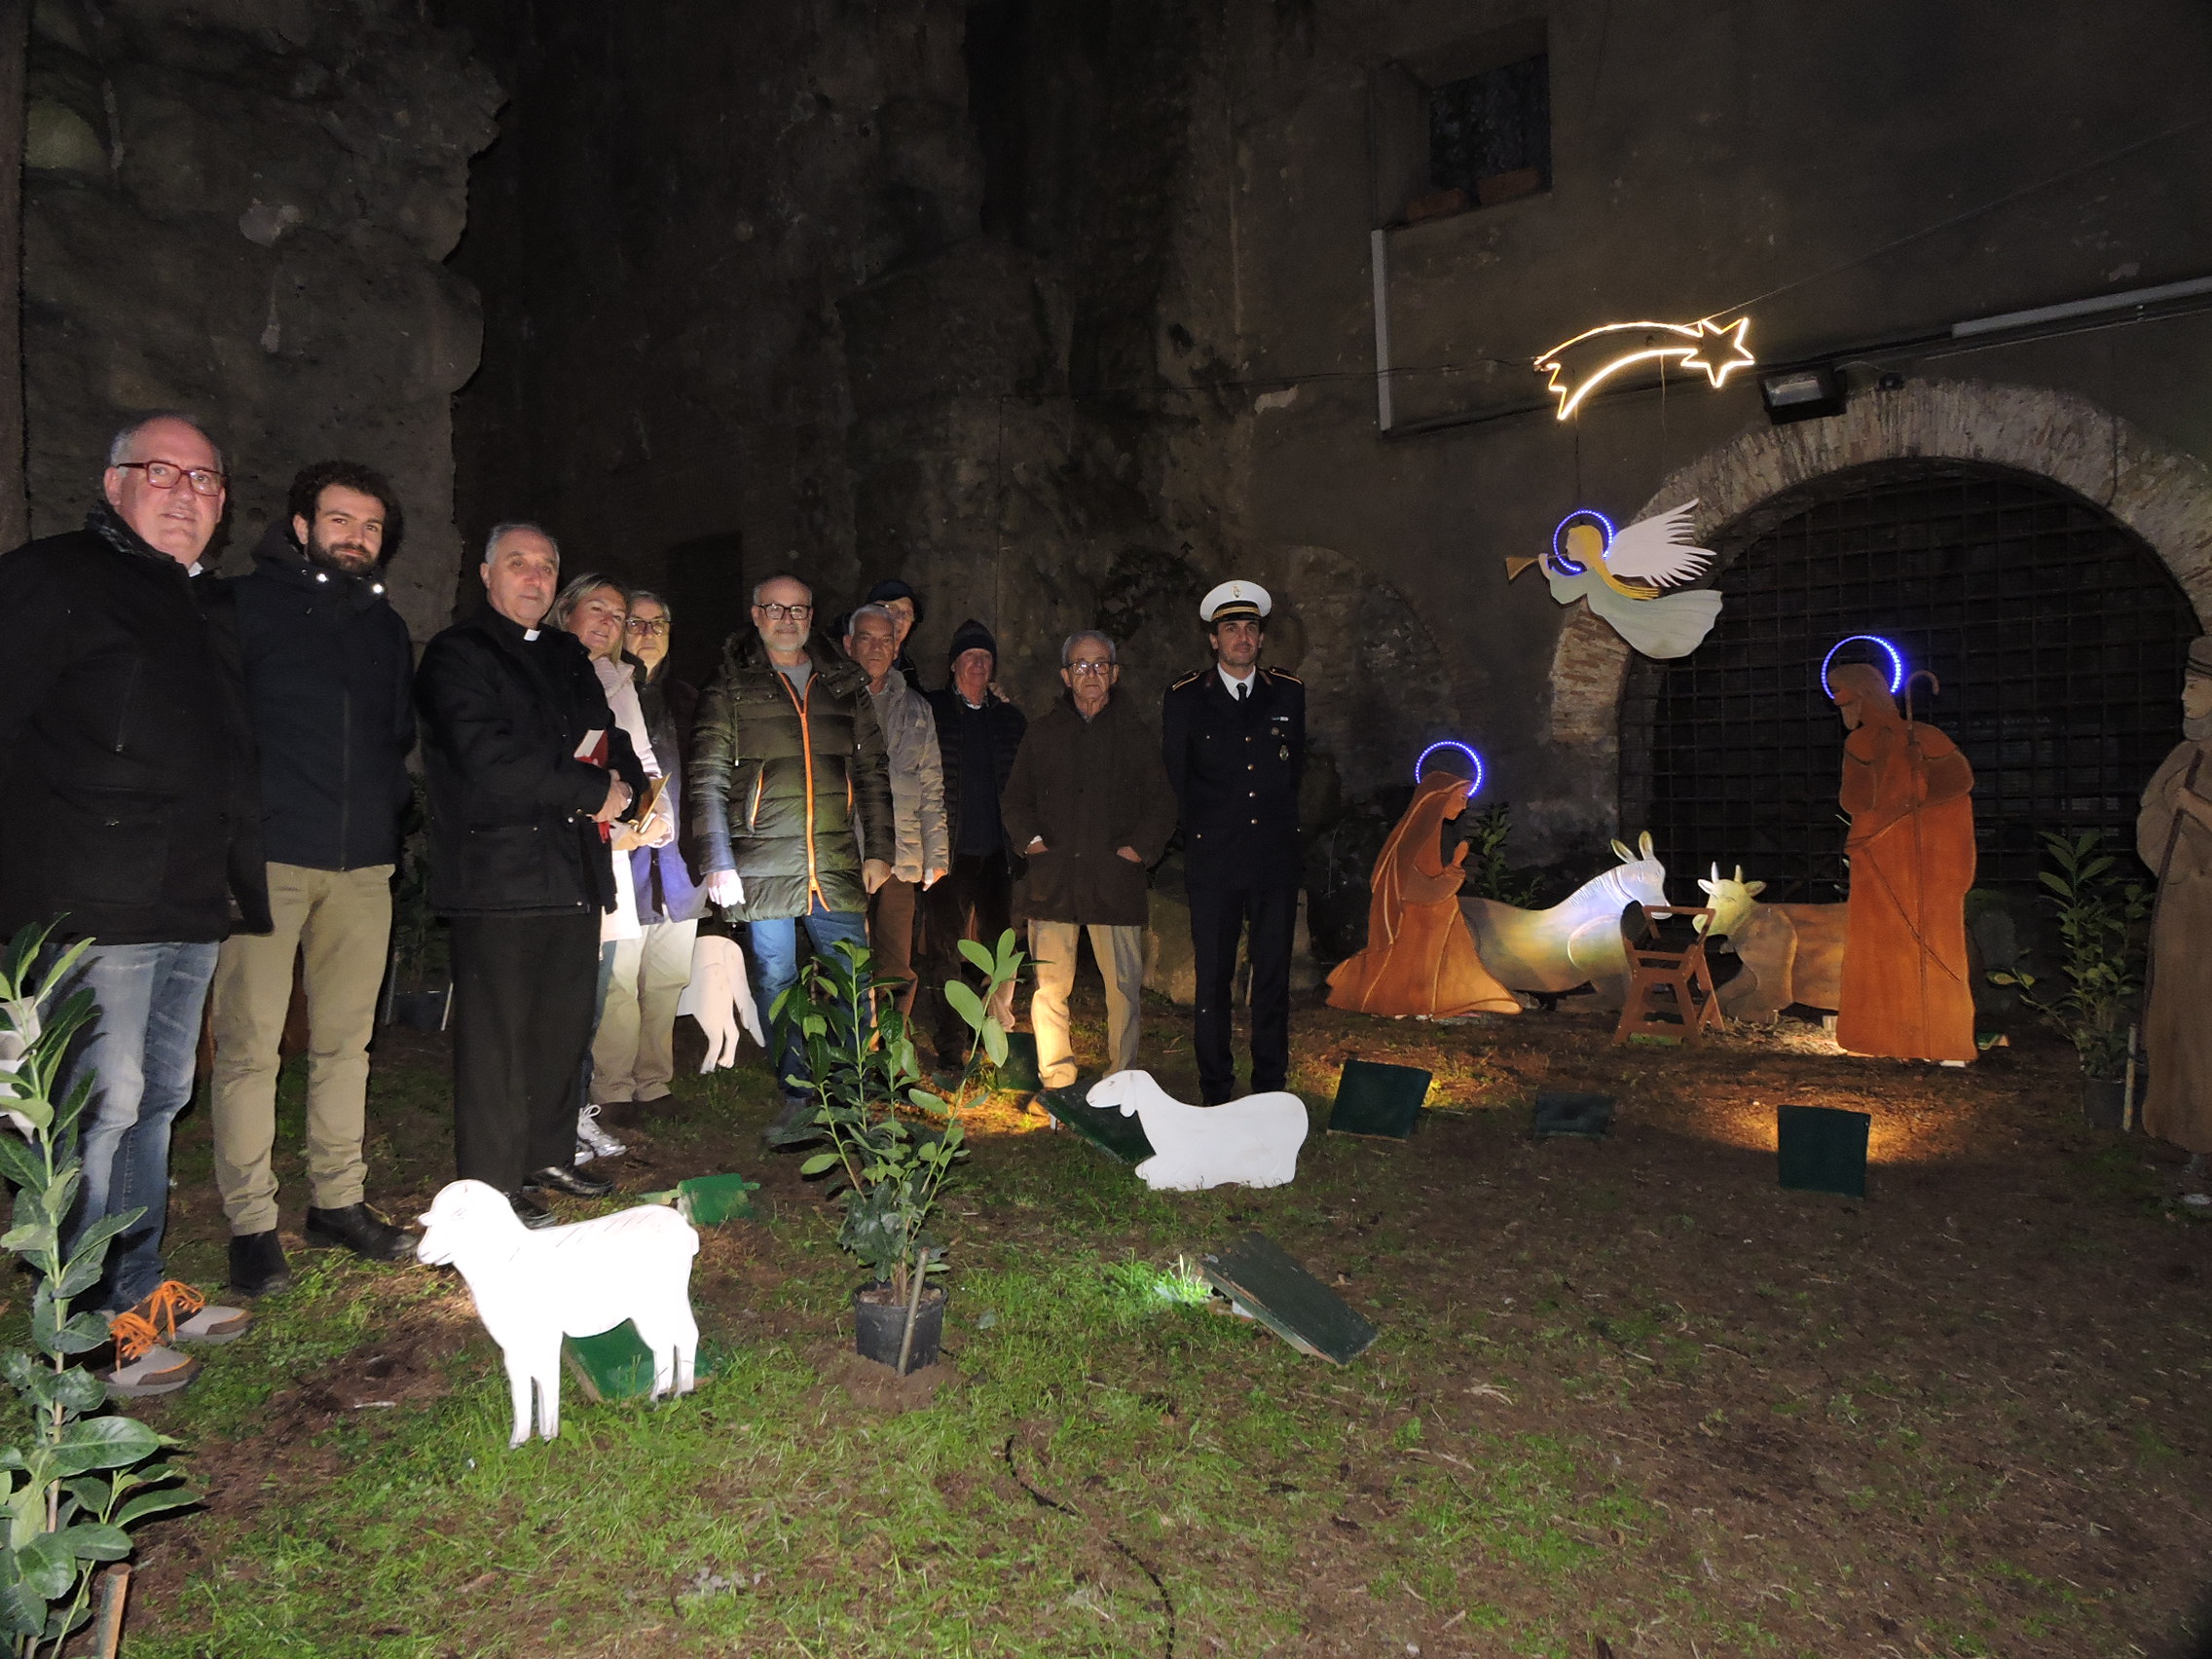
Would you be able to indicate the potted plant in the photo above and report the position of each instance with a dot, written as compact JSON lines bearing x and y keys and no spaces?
{"x":419,"y":986}
{"x":2100,"y":917}
{"x":81,"y":1477}
{"x":892,"y":1142}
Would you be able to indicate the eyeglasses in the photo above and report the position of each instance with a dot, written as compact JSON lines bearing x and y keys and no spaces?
{"x":648,"y":625}
{"x":1100,"y":669}
{"x":163,"y":475}
{"x":778,"y":613}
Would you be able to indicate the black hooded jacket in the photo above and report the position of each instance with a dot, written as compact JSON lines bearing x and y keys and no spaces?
{"x":328,"y":678}
{"x":126,"y":760}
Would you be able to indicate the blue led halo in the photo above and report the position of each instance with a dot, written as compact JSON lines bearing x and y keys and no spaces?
{"x":1473,"y":790}
{"x":1561,"y":563}
{"x":1896,"y":661}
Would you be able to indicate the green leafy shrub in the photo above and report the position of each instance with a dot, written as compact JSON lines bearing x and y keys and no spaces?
{"x":889,"y":1165}
{"x":2101,"y":916}
{"x":83,"y":1479}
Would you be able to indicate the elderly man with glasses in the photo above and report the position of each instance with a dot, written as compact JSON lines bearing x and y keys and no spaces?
{"x":133,"y":826}
{"x":788,"y":759}
{"x":1089,"y":806}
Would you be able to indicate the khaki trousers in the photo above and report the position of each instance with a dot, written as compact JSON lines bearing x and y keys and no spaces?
{"x":1121,"y":955}
{"x":633,"y":1055}
{"x":337,"y":924}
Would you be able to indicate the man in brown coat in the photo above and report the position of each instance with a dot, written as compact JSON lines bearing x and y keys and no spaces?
{"x":1089,"y":806}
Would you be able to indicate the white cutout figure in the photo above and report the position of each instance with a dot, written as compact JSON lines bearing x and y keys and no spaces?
{"x":531,"y":1289}
{"x":1252,"y":1142}
{"x":1621,"y":580}
{"x":719,"y":997}
{"x":1578,"y":938}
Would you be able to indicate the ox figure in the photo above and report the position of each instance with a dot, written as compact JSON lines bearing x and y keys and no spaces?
{"x":1791,"y":953}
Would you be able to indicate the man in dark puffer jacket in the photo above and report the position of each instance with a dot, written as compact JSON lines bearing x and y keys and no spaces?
{"x":133,"y":821}
{"x":786,"y":757}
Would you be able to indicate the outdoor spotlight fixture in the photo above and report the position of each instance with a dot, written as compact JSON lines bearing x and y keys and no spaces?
{"x":1802,"y":394}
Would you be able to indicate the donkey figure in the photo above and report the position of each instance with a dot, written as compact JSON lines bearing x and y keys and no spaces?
{"x":1578,"y":940}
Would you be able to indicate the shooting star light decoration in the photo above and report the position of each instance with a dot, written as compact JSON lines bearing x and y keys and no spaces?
{"x":1575,"y":368}
{"x":1622,"y":577}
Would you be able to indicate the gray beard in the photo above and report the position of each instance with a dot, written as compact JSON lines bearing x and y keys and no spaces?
{"x":2197,"y":730}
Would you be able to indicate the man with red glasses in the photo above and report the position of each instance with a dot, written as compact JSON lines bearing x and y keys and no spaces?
{"x":134,"y":822}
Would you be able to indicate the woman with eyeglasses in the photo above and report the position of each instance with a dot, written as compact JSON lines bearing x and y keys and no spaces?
{"x":632,"y":1056}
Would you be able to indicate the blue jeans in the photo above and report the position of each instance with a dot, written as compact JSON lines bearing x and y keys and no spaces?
{"x":775,"y":970}
{"x":139,"y":1052}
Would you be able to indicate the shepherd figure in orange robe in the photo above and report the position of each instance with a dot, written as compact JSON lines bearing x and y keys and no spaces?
{"x":1910,"y":796}
{"x":1419,"y":957}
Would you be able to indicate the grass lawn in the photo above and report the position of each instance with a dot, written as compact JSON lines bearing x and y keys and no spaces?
{"x":1630,"y":1397}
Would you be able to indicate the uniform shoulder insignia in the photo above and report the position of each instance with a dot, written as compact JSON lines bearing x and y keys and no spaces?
{"x":1278,"y":674}
{"x":1195,"y":674}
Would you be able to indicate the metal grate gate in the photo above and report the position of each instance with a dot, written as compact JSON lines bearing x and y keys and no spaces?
{"x":2057,"y":634}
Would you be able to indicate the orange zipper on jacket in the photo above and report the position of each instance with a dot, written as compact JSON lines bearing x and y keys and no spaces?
{"x":759,"y":783}
{"x":806,"y":749}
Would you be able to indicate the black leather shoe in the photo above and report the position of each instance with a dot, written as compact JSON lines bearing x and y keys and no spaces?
{"x":573,"y":1182}
{"x":528,"y":1211}
{"x":360,"y":1230}
{"x":258,"y":1266}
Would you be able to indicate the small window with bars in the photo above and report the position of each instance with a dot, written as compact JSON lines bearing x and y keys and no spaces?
{"x":1490,"y":136}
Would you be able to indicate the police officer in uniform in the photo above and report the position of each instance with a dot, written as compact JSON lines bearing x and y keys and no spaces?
{"x":1235,"y":736}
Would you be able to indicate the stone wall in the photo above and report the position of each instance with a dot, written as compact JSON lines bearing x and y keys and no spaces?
{"x":242,"y":209}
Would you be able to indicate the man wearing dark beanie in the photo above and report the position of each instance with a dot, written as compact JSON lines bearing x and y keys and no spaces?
{"x":978,"y":733}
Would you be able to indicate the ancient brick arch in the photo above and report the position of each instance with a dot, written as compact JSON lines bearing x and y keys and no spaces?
{"x":2165,"y":496}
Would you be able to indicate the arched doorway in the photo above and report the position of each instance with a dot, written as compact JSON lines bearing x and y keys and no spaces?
{"x":2056,"y":630}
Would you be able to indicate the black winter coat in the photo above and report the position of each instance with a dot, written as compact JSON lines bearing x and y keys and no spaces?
{"x":504,"y":714}
{"x":1008,"y":724}
{"x":328,"y":677}
{"x":127,"y":762}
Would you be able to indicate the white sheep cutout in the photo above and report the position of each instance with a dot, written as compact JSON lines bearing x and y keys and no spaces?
{"x":1252,"y":1142}
{"x":531,"y":1289}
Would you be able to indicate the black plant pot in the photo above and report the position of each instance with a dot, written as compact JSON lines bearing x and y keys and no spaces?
{"x":420,"y":1011}
{"x":880,"y":1321}
{"x":2102,"y":1101}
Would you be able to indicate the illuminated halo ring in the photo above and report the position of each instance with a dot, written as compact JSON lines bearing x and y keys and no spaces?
{"x":1474,"y":788}
{"x":1896,"y":661}
{"x":1560,"y":561}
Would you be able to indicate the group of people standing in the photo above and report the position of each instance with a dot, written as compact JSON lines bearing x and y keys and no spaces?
{"x":208,"y":777}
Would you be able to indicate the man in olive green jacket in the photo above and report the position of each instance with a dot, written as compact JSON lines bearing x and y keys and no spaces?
{"x":786,"y":758}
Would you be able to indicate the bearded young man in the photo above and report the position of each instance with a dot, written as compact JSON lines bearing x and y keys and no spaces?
{"x":328,"y":678}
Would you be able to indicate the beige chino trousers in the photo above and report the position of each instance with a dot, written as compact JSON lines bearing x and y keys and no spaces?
{"x":1119,"y":952}
{"x":337,"y":924}
{"x":633,"y":1053}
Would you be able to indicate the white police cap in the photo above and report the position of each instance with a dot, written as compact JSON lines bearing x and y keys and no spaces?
{"x":1234,"y":599}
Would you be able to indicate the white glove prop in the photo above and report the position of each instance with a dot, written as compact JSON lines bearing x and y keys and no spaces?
{"x":719,"y":997}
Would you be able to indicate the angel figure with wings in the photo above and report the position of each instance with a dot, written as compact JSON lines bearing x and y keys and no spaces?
{"x":1624,"y":576}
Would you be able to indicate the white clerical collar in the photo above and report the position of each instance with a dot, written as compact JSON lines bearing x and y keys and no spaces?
{"x":1233,"y":683}
{"x":530,"y":634}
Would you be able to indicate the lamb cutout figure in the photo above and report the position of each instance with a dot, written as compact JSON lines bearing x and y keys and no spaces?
{"x":531,"y":1289}
{"x":1252,"y":1142}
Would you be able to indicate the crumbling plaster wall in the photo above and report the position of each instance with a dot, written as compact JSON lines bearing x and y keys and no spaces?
{"x":242,"y":209}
